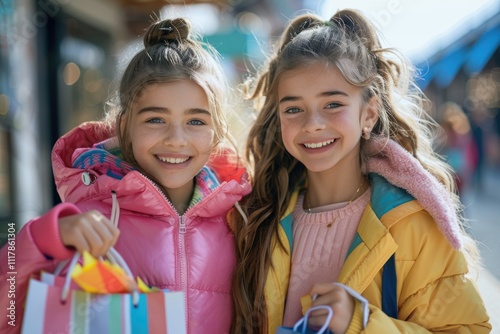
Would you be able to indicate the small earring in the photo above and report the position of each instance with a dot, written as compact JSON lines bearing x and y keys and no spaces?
{"x":366,"y":133}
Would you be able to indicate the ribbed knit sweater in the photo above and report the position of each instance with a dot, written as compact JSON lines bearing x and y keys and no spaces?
{"x":324,"y":236}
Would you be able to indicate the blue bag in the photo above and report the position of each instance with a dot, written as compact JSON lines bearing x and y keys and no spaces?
{"x":301,"y":325}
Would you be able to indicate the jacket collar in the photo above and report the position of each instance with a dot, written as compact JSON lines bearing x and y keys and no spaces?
{"x":372,"y":246}
{"x":400,"y":168}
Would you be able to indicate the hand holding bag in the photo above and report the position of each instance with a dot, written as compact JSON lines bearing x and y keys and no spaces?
{"x":302,"y":323}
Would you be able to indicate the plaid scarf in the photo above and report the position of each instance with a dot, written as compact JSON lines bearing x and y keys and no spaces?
{"x":107,"y":157}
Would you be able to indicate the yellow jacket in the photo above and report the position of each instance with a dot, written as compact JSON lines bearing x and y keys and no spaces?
{"x":434,"y":293}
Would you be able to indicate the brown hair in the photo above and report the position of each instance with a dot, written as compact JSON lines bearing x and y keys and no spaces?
{"x":350,"y":42}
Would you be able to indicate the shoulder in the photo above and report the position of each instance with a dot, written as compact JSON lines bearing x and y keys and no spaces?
{"x":411,"y":226}
{"x":424,"y":255}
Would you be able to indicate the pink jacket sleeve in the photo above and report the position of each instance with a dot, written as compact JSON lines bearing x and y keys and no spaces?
{"x":36,"y":247}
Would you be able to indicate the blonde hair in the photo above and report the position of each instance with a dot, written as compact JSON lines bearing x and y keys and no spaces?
{"x":349,"y":42}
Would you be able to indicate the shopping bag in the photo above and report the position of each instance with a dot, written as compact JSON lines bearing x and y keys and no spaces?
{"x":56,"y":280}
{"x":300,"y":326}
{"x":83,"y":312}
{"x":62,"y":309}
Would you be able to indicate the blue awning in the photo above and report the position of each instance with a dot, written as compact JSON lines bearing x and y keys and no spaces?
{"x":448,"y":67}
{"x":482,"y":51}
{"x":472,"y":58}
{"x":444,"y":70}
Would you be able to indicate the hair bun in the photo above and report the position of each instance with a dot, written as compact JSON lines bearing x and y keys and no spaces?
{"x":167,"y":31}
{"x":347,"y":21}
{"x":298,"y":25}
{"x":356,"y":23}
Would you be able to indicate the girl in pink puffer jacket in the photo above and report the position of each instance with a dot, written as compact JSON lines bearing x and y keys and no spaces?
{"x":162,"y":162}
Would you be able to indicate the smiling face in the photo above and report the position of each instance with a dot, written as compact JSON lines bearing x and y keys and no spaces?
{"x":322,"y":117}
{"x":172,"y":133}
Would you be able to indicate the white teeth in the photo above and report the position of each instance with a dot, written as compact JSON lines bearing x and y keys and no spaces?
{"x":318,"y":145}
{"x":173,"y":160}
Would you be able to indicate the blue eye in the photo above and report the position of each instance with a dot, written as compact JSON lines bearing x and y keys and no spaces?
{"x":292,"y":110}
{"x":333,"y":105}
{"x":155,"y":120}
{"x":196,"y":122}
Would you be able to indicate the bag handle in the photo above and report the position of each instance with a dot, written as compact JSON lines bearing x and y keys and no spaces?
{"x":115,"y":214}
{"x":303,"y":320}
{"x":115,"y":258}
{"x":112,"y":255}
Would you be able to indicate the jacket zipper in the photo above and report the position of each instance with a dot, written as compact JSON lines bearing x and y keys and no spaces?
{"x":181,"y":249}
{"x":183,"y":265}
{"x":182,"y":246}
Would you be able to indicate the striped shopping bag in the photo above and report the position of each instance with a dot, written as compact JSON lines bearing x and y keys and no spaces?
{"x":54,"y":305}
{"x":83,"y":312}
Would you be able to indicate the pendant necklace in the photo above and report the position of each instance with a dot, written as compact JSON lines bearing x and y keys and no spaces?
{"x":352,"y":198}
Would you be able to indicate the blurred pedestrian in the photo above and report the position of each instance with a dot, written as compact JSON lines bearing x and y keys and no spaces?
{"x":458,"y":146}
{"x":477,"y":118}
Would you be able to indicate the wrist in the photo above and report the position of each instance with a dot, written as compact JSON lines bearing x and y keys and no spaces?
{"x":45,"y":231}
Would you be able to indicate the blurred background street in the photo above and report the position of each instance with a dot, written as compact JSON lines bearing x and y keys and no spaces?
{"x":482,"y":208}
{"x":60,"y":59}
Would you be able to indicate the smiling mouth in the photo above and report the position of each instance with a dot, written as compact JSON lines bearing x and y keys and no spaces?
{"x":319,"y":145}
{"x":173,"y":160}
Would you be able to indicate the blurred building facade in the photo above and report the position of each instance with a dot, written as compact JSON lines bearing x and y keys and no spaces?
{"x":55,"y":65}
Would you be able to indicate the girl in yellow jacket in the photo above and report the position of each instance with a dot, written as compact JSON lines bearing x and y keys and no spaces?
{"x":351,"y":207}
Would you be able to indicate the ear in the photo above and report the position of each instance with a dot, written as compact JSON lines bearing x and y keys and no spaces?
{"x":370,"y":113}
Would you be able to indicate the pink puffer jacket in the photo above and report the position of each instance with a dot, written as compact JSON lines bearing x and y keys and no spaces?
{"x":193,"y":253}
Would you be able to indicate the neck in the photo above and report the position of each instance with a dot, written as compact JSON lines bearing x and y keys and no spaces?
{"x":180,"y":197}
{"x":321,"y":192}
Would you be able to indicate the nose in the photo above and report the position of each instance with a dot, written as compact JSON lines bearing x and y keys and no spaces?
{"x":313,"y":121}
{"x":175,"y":136}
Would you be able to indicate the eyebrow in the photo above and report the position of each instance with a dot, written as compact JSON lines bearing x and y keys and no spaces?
{"x":161,"y":110}
{"x":323,"y":94}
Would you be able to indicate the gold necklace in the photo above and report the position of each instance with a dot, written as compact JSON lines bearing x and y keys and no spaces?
{"x":352,"y":198}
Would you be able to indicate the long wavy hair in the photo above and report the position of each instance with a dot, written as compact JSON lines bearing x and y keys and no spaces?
{"x":350,"y":42}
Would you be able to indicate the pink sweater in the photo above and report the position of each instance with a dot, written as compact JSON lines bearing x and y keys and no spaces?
{"x":324,"y":236}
